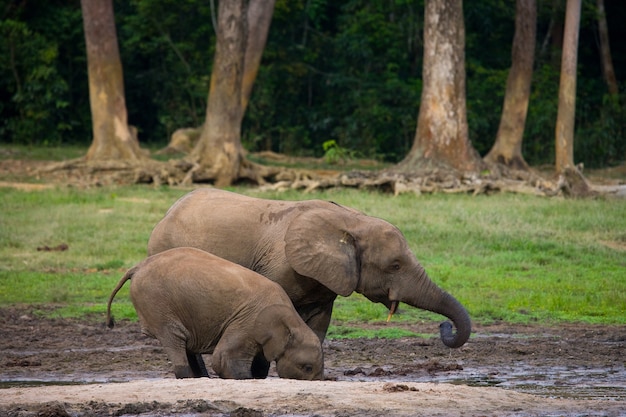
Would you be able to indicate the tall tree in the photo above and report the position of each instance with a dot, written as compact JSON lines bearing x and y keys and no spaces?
{"x":605,"y":50}
{"x":441,"y":136}
{"x":507,"y":148}
{"x":112,"y":137}
{"x":259,"y":18}
{"x":567,"y":89}
{"x":219,"y":154}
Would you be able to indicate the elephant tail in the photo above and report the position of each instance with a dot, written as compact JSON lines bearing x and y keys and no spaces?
{"x":110,"y":322}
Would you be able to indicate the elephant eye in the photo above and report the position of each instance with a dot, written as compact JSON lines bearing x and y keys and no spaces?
{"x":394,"y":266}
{"x":307,"y":368}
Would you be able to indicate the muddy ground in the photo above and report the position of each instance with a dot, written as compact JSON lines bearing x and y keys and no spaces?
{"x":57,"y":367}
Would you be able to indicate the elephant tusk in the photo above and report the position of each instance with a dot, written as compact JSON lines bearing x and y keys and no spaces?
{"x":392,"y":310}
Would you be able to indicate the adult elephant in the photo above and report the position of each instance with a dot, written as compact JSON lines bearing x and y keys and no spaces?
{"x":314,"y":249}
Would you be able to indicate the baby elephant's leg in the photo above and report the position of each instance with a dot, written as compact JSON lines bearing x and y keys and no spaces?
{"x":196,"y":363}
{"x":177,"y":354}
{"x":233,"y":358}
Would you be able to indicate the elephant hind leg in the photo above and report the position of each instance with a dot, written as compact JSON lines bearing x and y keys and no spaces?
{"x":196,"y":364}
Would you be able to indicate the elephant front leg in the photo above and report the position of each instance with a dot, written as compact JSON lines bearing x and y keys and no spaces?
{"x":234,"y":359}
{"x":183,"y":371}
{"x":178,"y":355}
{"x":317,"y":317}
{"x":229,"y":367}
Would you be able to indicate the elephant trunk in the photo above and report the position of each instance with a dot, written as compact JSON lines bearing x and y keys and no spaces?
{"x":461,"y":320}
{"x":432,"y":298}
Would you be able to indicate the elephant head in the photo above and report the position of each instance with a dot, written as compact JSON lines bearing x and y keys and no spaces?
{"x":286,"y":339}
{"x":348,"y":251}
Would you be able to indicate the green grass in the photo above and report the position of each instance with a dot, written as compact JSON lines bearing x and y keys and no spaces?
{"x":505,"y":257}
{"x":42,"y":153}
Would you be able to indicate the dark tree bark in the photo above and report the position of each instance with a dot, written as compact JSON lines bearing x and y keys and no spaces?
{"x":441,"y":138}
{"x":113,"y":139}
{"x":567,"y":89}
{"x":605,"y":51}
{"x":507,"y":148}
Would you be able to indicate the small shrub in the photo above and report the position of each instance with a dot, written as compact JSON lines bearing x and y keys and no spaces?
{"x":333,"y":153}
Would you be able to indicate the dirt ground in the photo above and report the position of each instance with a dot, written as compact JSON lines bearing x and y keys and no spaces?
{"x":59,"y":367}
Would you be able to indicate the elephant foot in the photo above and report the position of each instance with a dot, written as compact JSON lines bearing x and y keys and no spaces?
{"x":184,"y":372}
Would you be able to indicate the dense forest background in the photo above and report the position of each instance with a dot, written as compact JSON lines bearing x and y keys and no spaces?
{"x":347,"y":71}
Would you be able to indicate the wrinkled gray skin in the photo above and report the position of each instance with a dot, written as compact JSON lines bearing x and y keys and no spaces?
{"x":314,"y":249}
{"x":194,"y":302}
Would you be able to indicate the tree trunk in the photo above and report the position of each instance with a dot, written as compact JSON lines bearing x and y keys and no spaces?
{"x":113,"y":139}
{"x":219,"y":151}
{"x":507,"y":149}
{"x":567,"y":89}
{"x":259,"y":20}
{"x":605,"y":50}
{"x":219,"y":147}
{"x":441,"y":137}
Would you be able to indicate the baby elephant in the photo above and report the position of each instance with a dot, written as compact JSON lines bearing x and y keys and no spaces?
{"x":194,"y":302}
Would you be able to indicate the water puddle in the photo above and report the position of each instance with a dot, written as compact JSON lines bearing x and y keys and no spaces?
{"x":555,"y":382}
{"x":77,"y":379}
{"x":74,"y":350}
{"x":38,"y":383}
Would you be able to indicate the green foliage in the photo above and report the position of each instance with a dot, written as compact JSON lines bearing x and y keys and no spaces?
{"x":323,"y":76}
{"x":489,"y":29}
{"x":168,"y":46}
{"x":43,"y":81}
{"x":485,"y":92}
{"x":345,"y":70}
{"x":333,"y":153}
{"x":538,"y":145}
{"x":603,"y":121}
{"x":38,"y":94}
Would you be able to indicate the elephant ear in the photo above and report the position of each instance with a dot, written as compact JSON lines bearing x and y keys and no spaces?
{"x":272,"y":332}
{"x":318,"y":245}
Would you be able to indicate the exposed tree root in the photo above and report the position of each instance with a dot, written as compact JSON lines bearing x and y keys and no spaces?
{"x":80,"y":172}
{"x":434,"y":181}
{"x":573,"y":183}
{"x":174,"y":172}
{"x":497,"y":179}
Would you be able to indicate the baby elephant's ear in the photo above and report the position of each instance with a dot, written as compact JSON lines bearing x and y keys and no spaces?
{"x":319,"y":245}
{"x":271,"y":330}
